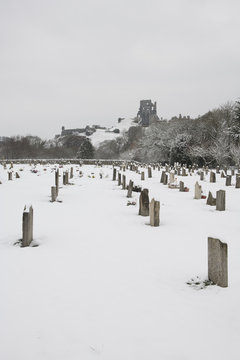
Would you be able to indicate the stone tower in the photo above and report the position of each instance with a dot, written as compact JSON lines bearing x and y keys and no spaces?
{"x":146,"y":110}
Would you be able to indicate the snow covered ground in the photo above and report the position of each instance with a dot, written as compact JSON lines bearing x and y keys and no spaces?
{"x":102,"y":283}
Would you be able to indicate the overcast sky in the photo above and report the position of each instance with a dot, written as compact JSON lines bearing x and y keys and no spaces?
{"x":74,"y":62}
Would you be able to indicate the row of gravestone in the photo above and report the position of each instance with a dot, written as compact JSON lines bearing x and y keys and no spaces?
{"x":217,"y":250}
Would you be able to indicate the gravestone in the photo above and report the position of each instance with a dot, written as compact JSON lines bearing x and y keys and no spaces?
{"x":114,"y":174}
{"x":165,"y":179}
{"x":17,"y":175}
{"x":201,"y":175}
{"x":9,"y":175}
{"x":144,"y":203}
{"x":119,"y":179}
{"x":181,"y":188}
{"x":27,"y":226}
{"x":149,"y":172}
{"x":154,"y":210}
{"x":198,"y":191}
{"x":57,"y":180}
{"x":220,"y":200}
{"x":130,"y":189}
{"x":142,"y":175}
{"x":171,"y":178}
{"x":237,"y":181}
{"x":162,"y":176}
{"x":211,"y":200}
{"x":212,"y":177}
{"x":71,"y":173}
{"x":228,"y":180}
{"x":124,"y":182}
{"x":218,"y":262}
{"x":53,"y":193}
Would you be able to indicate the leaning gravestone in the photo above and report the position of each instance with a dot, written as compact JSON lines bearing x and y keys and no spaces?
{"x":27,"y":226}
{"x":211,"y":200}
{"x":144,"y":203}
{"x":154,"y":210}
{"x":218,"y":262}
{"x":198,"y":191}
{"x":220,"y":200}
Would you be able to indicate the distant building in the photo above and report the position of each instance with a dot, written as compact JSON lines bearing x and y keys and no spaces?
{"x":146,"y":111}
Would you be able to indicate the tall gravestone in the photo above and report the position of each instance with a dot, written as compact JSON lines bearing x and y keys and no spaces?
{"x":27,"y":226}
{"x":212,"y":177}
{"x":154,"y":210}
{"x":218,"y":262}
{"x":144,"y":203}
{"x":198,"y":191}
{"x":130,"y":189}
{"x":220,"y":200}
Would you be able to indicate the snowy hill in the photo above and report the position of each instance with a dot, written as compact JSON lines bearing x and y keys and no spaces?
{"x":108,"y":134}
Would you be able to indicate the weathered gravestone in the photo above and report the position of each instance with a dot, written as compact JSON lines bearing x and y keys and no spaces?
{"x":220,"y":200}
{"x":211,"y":200}
{"x":212,"y":177}
{"x":171,"y":178}
{"x":142,"y":175}
{"x":71,"y":173}
{"x":154,"y":210}
{"x":198,"y":191}
{"x":57,"y":180}
{"x":119,"y":179}
{"x":218,"y":262}
{"x":124,"y":182}
{"x":201,"y":175}
{"x":144,"y":203}
{"x":130,"y":189}
{"x":165,"y":179}
{"x":27,"y":226}
{"x":9,"y":175}
{"x":162,"y":176}
{"x":53,"y":193}
{"x":181,"y":186}
{"x":114,"y":174}
{"x":149,"y":172}
{"x":237,"y":181}
{"x":228,"y":180}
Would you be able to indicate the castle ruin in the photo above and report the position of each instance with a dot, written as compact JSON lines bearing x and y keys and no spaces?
{"x":146,"y":111}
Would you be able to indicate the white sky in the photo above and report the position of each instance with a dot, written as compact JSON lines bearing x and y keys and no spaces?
{"x":74,"y":62}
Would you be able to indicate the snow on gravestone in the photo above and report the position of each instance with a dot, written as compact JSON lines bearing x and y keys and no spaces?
{"x":27,"y":226}
{"x":218,"y":262}
{"x":198,"y":191}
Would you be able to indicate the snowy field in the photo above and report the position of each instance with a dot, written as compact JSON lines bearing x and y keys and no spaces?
{"x":102,"y":283}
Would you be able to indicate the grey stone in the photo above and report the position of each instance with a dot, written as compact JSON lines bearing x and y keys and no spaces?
{"x":181,"y":188}
{"x":130,"y":189}
{"x":198,"y":191}
{"x":218,"y":262}
{"x":211,"y":200}
{"x":27,"y":226}
{"x":212,"y":177}
{"x":154,"y":210}
{"x":144,"y":203}
{"x":220,"y":200}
